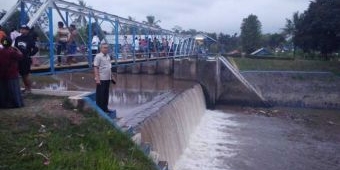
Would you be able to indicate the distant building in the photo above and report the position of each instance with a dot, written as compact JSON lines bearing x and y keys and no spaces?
{"x":262,"y":52}
{"x":235,"y":53}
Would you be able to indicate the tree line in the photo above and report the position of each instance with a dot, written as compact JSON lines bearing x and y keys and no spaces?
{"x":316,"y":31}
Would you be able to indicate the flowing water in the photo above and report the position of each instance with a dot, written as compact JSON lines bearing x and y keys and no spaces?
{"x":171,"y":115}
{"x":234,"y":141}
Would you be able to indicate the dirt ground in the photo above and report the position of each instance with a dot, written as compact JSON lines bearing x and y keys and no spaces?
{"x":324,"y":122}
{"x":308,"y":99}
{"x":297,"y":89}
{"x":45,"y":106}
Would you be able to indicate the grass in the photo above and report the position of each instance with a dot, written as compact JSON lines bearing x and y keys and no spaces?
{"x":49,"y":139}
{"x":287,"y":65}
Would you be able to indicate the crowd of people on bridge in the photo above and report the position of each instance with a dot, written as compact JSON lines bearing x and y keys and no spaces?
{"x":148,"y":47}
{"x":18,"y":47}
{"x":66,"y":43}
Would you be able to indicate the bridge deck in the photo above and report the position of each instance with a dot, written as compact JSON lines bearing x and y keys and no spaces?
{"x":39,"y":68}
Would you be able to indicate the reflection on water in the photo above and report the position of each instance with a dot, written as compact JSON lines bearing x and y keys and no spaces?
{"x":61,"y":86}
{"x":84,"y":81}
{"x":131,"y":96}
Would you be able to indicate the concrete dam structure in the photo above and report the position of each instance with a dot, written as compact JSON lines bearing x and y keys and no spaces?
{"x":163,"y":112}
{"x":169,"y":128}
{"x":168,"y":123}
{"x":168,"y":118}
{"x":221,"y":82}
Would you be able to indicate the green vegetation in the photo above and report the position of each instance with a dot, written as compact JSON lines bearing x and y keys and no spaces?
{"x":287,"y":65}
{"x":250,"y":34}
{"x":45,"y":135}
{"x":317,"y":29}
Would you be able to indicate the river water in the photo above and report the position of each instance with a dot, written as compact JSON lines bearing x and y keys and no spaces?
{"x":228,"y":138}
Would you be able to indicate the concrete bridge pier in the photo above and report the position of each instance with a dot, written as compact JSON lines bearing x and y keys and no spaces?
{"x":164,"y":66}
{"x":121,"y":69}
{"x":136,"y":68}
{"x":149,"y":68}
{"x":220,"y":81}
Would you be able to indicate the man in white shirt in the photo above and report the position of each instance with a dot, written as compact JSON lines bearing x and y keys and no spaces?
{"x":103,"y":77}
{"x":136,"y":46}
{"x":95,"y":45}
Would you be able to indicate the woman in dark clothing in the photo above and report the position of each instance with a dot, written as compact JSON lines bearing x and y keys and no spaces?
{"x":10,"y":95}
{"x":26,"y":44}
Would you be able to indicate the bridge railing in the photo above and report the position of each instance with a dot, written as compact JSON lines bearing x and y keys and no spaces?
{"x":40,"y":13}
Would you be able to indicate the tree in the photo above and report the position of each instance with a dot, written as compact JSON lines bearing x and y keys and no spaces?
{"x":273,"y":40}
{"x":80,"y":19}
{"x":151,"y":20}
{"x":290,"y":29}
{"x":12,"y":22}
{"x":250,"y":34}
{"x":227,"y":42}
{"x":126,"y":29}
{"x":318,"y":29}
{"x":190,"y":32}
{"x":177,"y":29}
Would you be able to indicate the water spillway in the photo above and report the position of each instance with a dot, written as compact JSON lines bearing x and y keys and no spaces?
{"x":171,"y":116}
{"x":169,"y":129}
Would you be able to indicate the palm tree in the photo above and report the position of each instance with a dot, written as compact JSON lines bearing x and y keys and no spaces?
{"x":290,"y":28}
{"x":126,"y":29}
{"x":130,"y":18}
{"x":177,"y":29}
{"x":80,"y":20}
{"x":150,"y":20}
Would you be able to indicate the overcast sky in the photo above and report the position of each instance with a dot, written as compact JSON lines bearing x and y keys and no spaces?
{"x":203,"y":15}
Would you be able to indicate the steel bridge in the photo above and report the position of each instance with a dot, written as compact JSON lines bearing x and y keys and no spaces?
{"x":42,"y":14}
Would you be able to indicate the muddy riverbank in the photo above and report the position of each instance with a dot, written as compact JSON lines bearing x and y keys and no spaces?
{"x":297,"y":89}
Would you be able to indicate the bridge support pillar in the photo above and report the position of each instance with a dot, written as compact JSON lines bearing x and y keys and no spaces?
{"x":136,"y":68}
{"x":205,"y":72}
{"x":185,"y":69}
{"x":121,"y":69}
{"x":164,"y":66}
{"x":150,"y":67}
{"x":208,"y":76}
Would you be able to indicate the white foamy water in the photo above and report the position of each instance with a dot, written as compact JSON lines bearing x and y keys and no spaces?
{"x":169,"y":128}
{"x":209,"y":145}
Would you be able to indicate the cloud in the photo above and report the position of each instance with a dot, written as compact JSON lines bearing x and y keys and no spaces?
{"x":203,"y":15}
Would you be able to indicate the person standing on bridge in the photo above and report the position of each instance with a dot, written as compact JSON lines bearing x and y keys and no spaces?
{"x":72,"y":45}
{"x":26,"y":44}
{"x":62,"y":37}
{"x":95,"y":45}
{"x":103,"y":77}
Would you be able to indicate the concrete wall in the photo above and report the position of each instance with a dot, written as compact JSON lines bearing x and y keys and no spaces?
{"x":208,"y":75}
{"x":185,"y":69}
{"x":221,"y":83}
{"x":203,"y":71}
{"x":235,"y":89}
{"x":153,"y":67}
